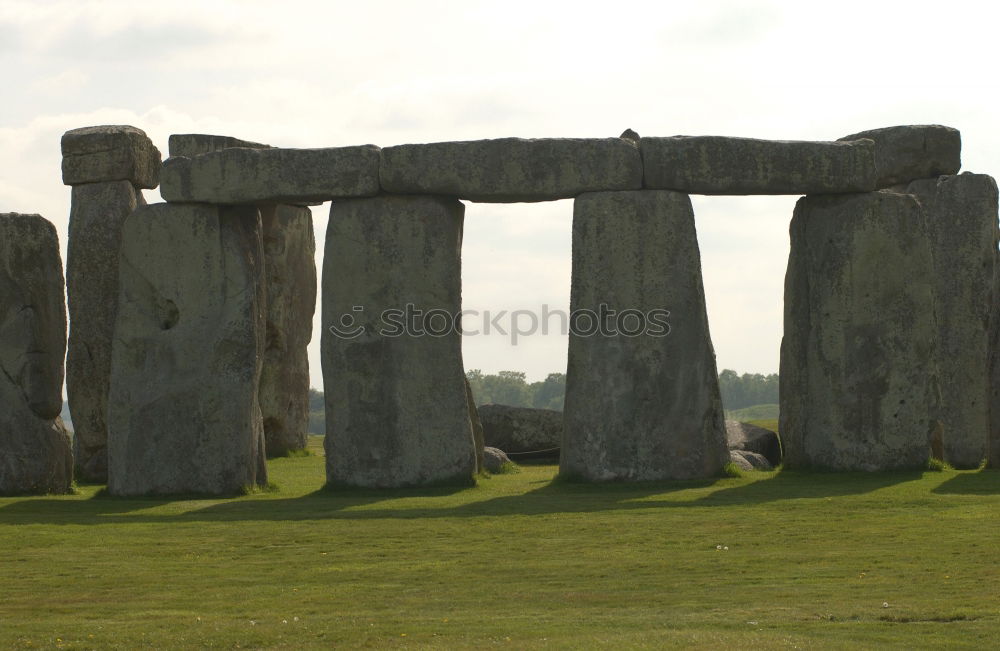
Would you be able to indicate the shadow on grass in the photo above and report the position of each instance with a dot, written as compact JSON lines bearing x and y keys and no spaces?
{"x":983,"y":482}
{"x":557,"y":497}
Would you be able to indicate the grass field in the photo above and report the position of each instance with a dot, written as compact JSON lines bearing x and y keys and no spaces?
{"x":825,"y":560}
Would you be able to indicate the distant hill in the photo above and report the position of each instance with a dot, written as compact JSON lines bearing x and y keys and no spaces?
{"x":756,"y":412}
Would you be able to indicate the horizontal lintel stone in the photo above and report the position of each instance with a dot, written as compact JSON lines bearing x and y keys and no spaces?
{"x":506,"y":170}
{"x":193,"y":144}
{"x":110,"y":153}
{"x":244,"y":175}
{"x":910,"y":152}
{"x":730,"y":166}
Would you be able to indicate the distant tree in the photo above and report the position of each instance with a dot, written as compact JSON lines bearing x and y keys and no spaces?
{"x":549,"y":393}
{"x":747,"y":390}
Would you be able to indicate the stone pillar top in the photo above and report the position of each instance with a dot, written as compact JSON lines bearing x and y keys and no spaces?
{"x":110,"y":153}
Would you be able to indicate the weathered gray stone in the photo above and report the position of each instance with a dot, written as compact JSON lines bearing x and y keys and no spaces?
{"x":859,"y":387}
{"x":97,"y":214}
{"x":195,"y":144}
{"x":242,"y":175}
{"x":183,"y":411}
{"x":642,"y":392}
{"x":744,"y":436}
{"x":962,"y":223}
{"x":290,"y":268}
{"x":994,"y":443}
{"x":512,"y":169}
{"x":396,"y":406}
{"x":911,"y":152}
{"x":747,"y":460}
{"x":521,"y":429}
{"x":494,"y":459}
{"x":110,"y":153}
{"x":35,"y":455}
{"x":722,"y":165}
{"x":477,"y":426}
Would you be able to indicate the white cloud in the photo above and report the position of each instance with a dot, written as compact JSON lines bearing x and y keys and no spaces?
{"x":339,"y":73}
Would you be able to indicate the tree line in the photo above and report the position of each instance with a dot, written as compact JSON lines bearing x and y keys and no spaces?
{"x":512,"y":388}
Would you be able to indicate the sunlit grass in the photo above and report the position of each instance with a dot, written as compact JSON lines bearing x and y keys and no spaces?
{"x":764,"y":560}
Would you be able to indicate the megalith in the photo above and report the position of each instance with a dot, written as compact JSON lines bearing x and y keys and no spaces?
{"x":290,"y":275}
{"x":642,"y":392}
{"x":106,"y":166}
{"x":186,"y":361}
{"x":962,"y":223}
{"x":859,"y":387}
{"x":290,"y":272}
{"x":397,"y":412}
{"x":35,"y":454}
{"x":994,"y":442}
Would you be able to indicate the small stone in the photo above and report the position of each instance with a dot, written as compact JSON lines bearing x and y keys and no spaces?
{"x":512,"y":169}
{"x":110,"y":153}
{"x":494,"y":459}
{"x":722,"y":165}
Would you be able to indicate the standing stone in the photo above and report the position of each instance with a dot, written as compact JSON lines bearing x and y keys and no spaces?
{"x":962,"y":223}
{"x":477,"y":427}
{"x":184,"y":415}
{"x":994,"y":443}
{"x":290,"y":270}
{"x":642,"y":392}
{"x":97,"y":214}
{"x":397,"y":412}
{"x":35,"y":455}
{"x":859,"y":384}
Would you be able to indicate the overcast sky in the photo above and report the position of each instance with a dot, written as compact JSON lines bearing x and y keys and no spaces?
{"x":302,"y":74}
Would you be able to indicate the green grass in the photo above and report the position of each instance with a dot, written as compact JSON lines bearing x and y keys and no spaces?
{"x":766,"y":423}
{"x":756,"y":412}
{"x":518,"y":562}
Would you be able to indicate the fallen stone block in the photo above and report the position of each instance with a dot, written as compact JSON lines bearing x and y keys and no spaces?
{"x":110,"y":153}
{"x":97,"y":214}
{"x":512,"y":169}
{"x":908,"y":153}
{"x":744,"y":436}
{"x":186,"y":360}
{"x":642,"y":391}
{"x":397,"y":412}
{"x":242,"y":176}
{"x":859,"y":380}
{"x":35,"y":454}
{"x":521,"y":430}
{"x":723,"y":165}
{"x":746,"y":460}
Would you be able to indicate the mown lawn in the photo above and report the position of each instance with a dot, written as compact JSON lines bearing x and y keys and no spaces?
{"x":825,"y":560}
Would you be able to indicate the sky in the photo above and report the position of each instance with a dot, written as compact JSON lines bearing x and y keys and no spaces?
{"x":326,"y":74}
